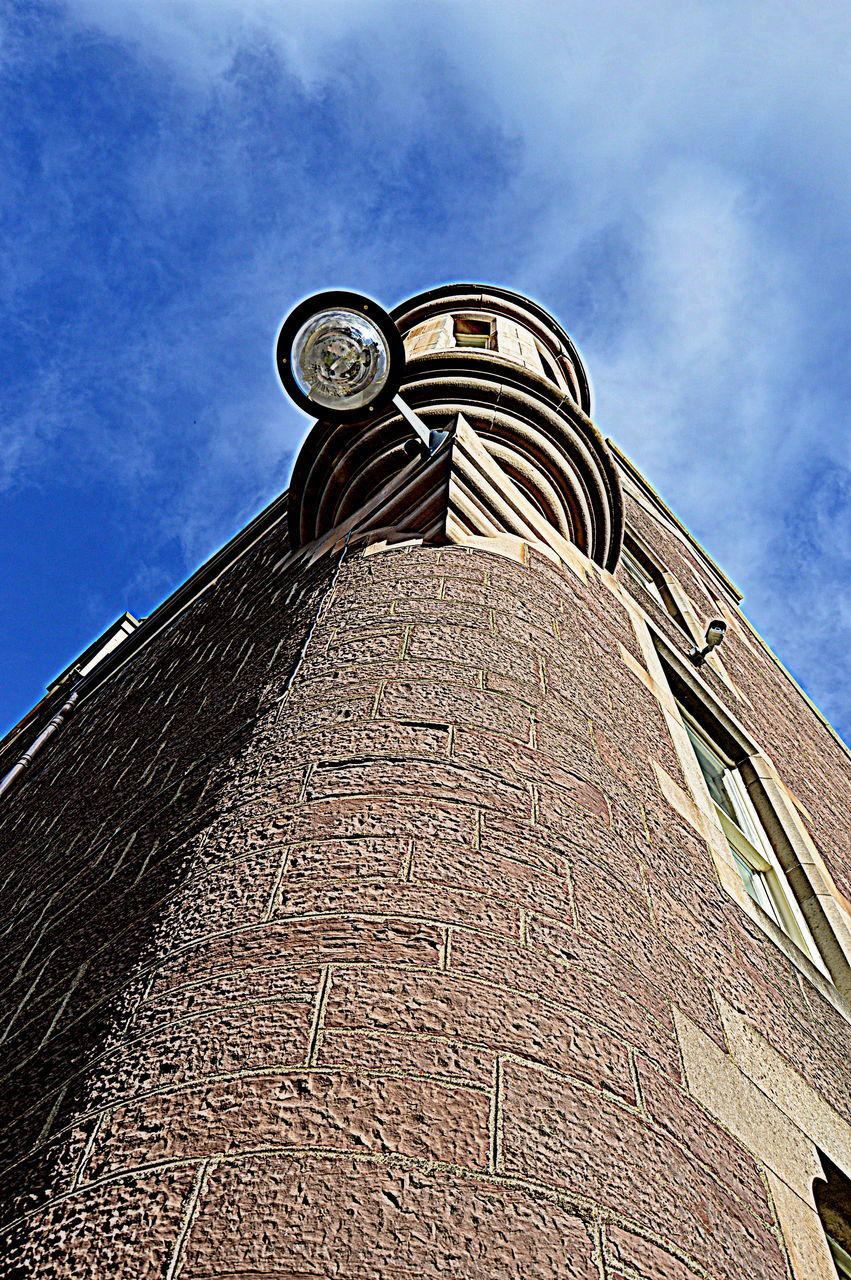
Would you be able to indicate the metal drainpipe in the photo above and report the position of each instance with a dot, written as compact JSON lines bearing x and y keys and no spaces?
{"x":47,"y":732}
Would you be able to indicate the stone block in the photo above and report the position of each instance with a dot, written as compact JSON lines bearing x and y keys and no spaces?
{"x":313,"y":1217}
{"x":420,"y":1118}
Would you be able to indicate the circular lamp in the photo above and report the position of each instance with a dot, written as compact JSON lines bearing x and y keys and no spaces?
{"x":340,"y":356}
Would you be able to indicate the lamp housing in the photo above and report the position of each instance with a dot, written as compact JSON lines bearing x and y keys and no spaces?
{"x":715,"y":633}
{"x":340,"y":356}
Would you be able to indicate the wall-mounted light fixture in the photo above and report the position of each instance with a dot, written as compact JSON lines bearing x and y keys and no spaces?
{"x":715,"y":633}
{"x":340,"y":357}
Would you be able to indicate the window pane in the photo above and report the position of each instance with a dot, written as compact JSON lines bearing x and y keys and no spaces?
{"x":753,"y":852}
{"x":639,"y":574}
{"x":472,"y":331}
{"x":754,"y":882}
{"x":713,"y":771}
{"x":722,"y":783}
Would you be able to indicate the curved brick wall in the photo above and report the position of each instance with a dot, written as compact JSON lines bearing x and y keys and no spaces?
{"x":392,"y":996}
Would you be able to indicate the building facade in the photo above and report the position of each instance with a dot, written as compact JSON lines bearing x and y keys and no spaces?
{"x":403,"y":898}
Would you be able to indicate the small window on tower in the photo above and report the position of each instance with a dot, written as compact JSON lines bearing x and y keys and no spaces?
{"x":833,"y":1201}
{"x":473,"y":331}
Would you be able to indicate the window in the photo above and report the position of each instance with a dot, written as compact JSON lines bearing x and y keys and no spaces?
{"x":642,"y":572}
{"x":639,"y":574}
{"x":752,"y":851}
{"x":473,"y":331}
{"x":833,"y":1201}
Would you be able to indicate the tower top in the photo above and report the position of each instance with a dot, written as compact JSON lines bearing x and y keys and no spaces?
{"x":496,"y":373}
{"x":564,"y":366}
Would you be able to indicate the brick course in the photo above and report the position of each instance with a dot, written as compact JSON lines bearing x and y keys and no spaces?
{"x":378,"y":980}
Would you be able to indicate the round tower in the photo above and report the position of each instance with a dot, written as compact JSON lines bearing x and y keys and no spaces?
{"x":346,"y":918}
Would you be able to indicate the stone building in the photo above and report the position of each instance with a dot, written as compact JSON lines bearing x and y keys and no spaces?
{"x":403,"y":898}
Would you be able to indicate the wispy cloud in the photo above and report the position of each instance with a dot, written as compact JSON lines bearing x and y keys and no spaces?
{"x":671,"y":180}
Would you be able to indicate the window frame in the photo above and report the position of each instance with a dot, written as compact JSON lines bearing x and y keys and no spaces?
{"x":750,"y":843}
{"x":474,"y":341}
{"x":640,"y":573}
{"x":642,"y":568}
{"x":796,"y":852}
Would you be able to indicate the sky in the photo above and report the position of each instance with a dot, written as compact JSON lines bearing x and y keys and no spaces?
{"x":671,"y":180}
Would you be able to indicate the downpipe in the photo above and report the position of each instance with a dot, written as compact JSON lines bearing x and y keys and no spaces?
{"x":53,"y":726}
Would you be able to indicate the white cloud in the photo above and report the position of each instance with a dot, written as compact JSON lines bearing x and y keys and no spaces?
{"x":676,"y":190}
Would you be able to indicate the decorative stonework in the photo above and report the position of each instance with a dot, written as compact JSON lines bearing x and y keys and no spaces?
{"x":523,"y":332}
{"x":524,"y":458}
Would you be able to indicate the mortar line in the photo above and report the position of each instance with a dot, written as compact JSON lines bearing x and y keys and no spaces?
{"x":496,"y":1117}
{"x":305,"y":783}
{"x":46,"y":1127}
{"x":533,"y":792}
{"x":20,"y":1006}
{"x":189,"y":1215}
{"x":321,"y":1001}
{"x":447,"y":950}
{"x":379,"y":694}
{"x":406,"y":870}
{"x":574,"y":914}
{"x":276,"y":886}
{"x":444,"y":946}
{"x":59,"y":1012}
{"x":640,"y":1102}
{"x":87,"y":1149}
{"x":595,"y":1230}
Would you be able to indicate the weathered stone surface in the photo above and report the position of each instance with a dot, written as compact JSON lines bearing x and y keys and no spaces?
{"x":317,"y":1218}
{"x":644,"y":1257}
{"x":368,"y":960}
{"x":583,"y":1143}
{"x":443,"y":1004}
{"x":423,"y":1119}
{"x":125,"y":1229}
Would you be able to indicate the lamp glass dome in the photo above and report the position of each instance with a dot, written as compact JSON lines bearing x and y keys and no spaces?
{"x":340,"y":359}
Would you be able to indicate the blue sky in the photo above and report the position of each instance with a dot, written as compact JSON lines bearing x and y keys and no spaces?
{"x":671,"y":180}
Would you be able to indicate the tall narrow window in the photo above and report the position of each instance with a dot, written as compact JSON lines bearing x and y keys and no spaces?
{"x":642,"y":572}
{"x":833,"y":1201}
{"x":473,"y":331}
{"x":753,"y":853}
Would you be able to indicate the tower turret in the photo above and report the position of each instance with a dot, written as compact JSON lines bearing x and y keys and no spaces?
{"x":505,"y":380}
{"x":403,"y":898}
